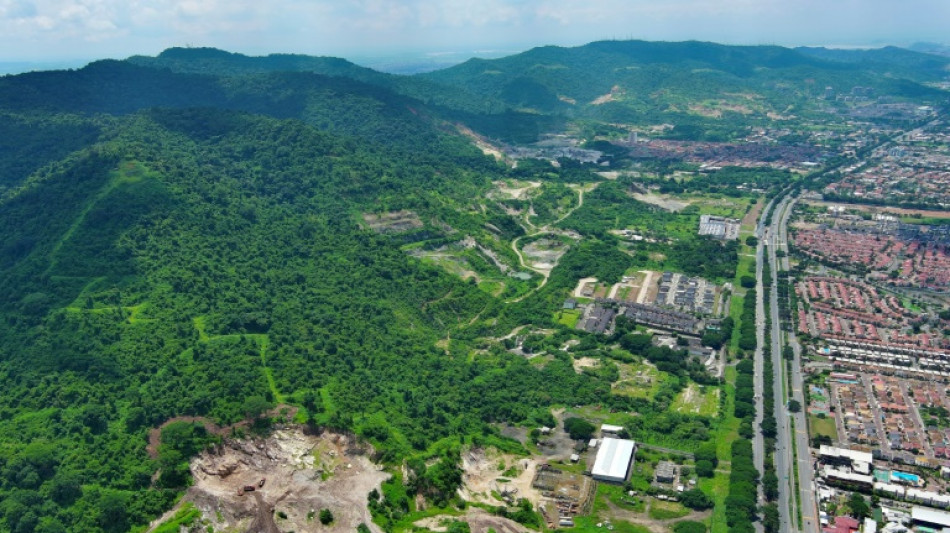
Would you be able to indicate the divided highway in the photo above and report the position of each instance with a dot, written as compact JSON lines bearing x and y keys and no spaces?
{"x":789,"y":459}
{"x":758,"y":442}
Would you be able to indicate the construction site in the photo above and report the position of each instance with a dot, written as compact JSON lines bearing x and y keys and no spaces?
{"x":563,"y":495}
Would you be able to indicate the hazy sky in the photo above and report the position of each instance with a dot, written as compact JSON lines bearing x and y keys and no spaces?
{"x":54,"y":30}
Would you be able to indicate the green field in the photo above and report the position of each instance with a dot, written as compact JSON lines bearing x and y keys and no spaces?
{"x":726,"y":433}
{"x":822,"y":426}
{"x":568,"y":317}
{"x":588,"y":524}
{"x":660,"y":510}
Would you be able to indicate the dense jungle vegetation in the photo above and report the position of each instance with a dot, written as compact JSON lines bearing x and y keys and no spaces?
{"x":188,"y":235}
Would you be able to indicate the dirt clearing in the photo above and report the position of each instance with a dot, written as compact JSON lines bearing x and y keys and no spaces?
{"x":544,"y":253}
{"x":489,"y":475}
{"x":752,"y":216}
{"x":303,"y":474}
{"x":479,"y":520}
{"x":884,"y":209}
{"x":486,"y":147}
{"x":662,"y":201}
{"x":514,"y":190}
{"x":392,"y":222}
{"x":585,"y":362}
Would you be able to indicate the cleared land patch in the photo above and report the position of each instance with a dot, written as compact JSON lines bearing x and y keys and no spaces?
{"x":693,"y":400}
{"x":544,"y":253}
{"x":302,"y":473}
{"x":664,"y":201}
{"x":640,"y":380}
{"x":392,"y":222}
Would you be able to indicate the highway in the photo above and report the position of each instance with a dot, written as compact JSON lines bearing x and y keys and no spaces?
{"x":758,"y":442}
{"x":787,"y":459}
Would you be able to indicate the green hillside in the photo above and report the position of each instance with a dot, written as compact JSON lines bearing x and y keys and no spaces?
{"x":144,"y":278}
{"x":657,"y":82}
{"x":208,"y":234}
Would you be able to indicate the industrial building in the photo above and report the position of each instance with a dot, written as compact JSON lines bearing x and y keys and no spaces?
{"x":614,"y":458}
{"x":719,"y":227}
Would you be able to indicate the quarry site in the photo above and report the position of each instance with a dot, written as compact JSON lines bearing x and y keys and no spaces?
{"x":281,"y":483}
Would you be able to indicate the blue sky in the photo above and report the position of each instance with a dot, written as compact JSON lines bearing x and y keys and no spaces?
{"x":56,"y":30}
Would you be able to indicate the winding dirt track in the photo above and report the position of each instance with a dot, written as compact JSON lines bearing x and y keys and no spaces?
{"x":545,"y":273}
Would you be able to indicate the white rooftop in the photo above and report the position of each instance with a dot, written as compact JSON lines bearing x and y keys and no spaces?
{"x":613,"y":459}
{"x":610,"y":428}
{"x":846,"y":475}
{"x":853,"y":455}
{"x":931,"y":516}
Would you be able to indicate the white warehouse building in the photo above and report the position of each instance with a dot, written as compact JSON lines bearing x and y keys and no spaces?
{"x":614,"y":458}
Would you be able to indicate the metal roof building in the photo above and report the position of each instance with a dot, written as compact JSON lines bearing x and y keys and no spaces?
{"x":614,"y":458}
{"x":930,"y":517}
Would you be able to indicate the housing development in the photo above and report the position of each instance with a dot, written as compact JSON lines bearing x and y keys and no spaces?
{"x":868,"y":285}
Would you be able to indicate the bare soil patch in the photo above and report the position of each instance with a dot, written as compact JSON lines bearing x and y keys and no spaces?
{"x":303,"y":474}
{"x":585,"y":362}
{"x":614,"y":93}
{"x":752,"y":216}
{"x":583,"y":286}
{"x":479,"y":520}
{"x":644,"y":519}
{"x":481,"y":143}
{"x":664,"y":202}
{"x":155,"y":434}
{"x":515,"y":190}
{"x":392,"y":222}
{"x":544,"y":253}
{"x":883,"y":209}
{"x":705,"y":111}
{"x":489,"y":474}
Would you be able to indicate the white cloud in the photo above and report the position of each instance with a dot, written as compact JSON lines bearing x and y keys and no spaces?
{"x":60,"y":28}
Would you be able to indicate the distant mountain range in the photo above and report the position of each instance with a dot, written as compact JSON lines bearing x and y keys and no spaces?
{"x":631,"y":80}
{"x":514,"y":97}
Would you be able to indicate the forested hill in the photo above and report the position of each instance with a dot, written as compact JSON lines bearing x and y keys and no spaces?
{"x":193,"y":244}
{"x":46,"y":115}
{"x":211,"y":61}
{"x":623,"y":79}
{"x":336,"y":104}
{"x":192,"y":260}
